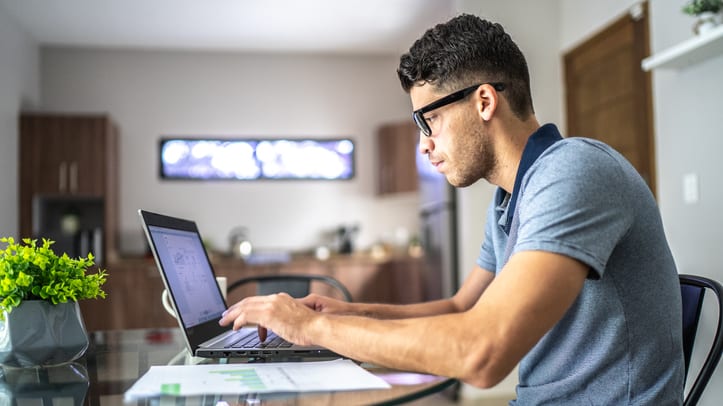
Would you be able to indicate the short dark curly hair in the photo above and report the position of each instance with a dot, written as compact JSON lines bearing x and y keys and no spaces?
{"x":464,"y":51}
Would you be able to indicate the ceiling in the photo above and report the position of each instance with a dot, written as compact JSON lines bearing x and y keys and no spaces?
{"x":314,"y":26}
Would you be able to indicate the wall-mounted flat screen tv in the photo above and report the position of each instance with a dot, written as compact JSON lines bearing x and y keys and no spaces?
{"x":256,"y":159}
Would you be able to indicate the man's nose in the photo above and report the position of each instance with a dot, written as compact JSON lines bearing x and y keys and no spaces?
{"x":426,"y":145}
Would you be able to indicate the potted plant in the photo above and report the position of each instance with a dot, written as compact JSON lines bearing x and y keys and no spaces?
{"x":40,"y":322}
{"x":707,"y":13}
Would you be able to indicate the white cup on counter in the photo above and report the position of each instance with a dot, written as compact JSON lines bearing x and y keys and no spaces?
{"x":222,"y":282}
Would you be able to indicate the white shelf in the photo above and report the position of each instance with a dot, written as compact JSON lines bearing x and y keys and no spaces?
{"x":692,"y":51}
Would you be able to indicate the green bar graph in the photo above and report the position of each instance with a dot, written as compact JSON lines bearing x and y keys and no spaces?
{"x":244,"y":376}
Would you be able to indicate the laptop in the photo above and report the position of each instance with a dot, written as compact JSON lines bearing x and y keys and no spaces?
{"x":197,"y":300}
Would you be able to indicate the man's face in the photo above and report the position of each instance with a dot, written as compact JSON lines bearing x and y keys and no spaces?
{"x":460,"y":146}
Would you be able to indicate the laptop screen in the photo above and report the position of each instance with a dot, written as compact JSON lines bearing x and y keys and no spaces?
{"x":189,"y":275}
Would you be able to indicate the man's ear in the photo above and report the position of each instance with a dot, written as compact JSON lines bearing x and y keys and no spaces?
{"x":487,"y":101}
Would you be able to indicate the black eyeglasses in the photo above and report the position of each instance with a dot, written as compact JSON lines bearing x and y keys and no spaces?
{"x":418,"y":115}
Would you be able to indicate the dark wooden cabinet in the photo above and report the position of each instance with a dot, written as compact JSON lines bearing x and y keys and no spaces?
{"x":68,"y":161}
{"x":397,"y":146}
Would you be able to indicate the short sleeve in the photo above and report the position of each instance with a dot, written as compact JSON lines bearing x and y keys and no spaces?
{"x":570,"y":204}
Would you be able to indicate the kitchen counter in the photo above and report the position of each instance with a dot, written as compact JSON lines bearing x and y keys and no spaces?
{"x":134,"y":285}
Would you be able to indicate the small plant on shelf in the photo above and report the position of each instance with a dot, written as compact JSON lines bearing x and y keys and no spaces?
{"x":29,"y":271}
{"x":697,"y":7}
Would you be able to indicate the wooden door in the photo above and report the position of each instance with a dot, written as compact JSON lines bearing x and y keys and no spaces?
{"x":86,"y":170}
{"x":43,"y":156}
{"x":64,"y":155}
{"x":609,"y":96}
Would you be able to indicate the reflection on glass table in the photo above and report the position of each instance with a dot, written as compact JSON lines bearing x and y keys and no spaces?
{"x":116,"y":359}
{"x":43,"y":386}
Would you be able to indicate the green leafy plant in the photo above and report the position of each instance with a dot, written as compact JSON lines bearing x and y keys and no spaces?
{"x":34,"y":272}
{"x":695,"y":7}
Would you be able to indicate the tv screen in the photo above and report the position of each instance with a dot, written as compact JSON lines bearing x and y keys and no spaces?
{"x":256,"y":159}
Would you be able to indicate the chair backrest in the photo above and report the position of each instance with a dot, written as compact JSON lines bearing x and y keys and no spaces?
{"x":296,"y":285}
{"x":692,"y":289}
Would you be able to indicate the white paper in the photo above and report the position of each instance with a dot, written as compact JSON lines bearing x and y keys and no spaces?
{"x":226,"y":379}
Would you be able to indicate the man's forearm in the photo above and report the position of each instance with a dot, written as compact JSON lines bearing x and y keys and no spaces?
{"x":404,"y":311}
{"x":477,"y":281}
{"x":426,"y":344}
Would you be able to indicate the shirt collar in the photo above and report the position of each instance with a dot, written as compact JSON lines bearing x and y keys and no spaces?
{"x":538,"y":142}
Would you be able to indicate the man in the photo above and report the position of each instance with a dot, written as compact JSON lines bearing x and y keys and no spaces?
{"x":575,"y":280}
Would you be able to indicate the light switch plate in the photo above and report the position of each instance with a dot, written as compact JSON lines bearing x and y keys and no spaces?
{"x":690,"y":188}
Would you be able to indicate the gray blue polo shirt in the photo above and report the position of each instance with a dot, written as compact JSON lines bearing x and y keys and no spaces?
{"x":621,"y":341}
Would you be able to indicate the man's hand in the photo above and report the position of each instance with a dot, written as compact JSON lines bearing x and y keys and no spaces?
{"x":326,"y":304}
{"x":286,"y":316}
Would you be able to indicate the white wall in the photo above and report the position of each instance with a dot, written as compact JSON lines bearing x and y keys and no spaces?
{"x":151,"y":94}
{"x":18,"y":87}
{"x":689,"y":137}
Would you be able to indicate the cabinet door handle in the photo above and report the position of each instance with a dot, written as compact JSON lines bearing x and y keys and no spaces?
{"x":73,"y":172}
{"x":62,"y":176}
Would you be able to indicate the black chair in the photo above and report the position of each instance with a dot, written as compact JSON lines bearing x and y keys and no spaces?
{"x":296,"y":285}
{"x":693,"y":289}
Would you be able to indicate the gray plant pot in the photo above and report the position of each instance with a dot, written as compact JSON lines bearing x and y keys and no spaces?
{"x":39,"y":334}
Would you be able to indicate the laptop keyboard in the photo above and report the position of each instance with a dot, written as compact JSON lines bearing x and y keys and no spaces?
{"x":252,"y":341}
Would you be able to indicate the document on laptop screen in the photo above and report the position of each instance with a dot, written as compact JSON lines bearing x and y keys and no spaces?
{"x":192,"y":281}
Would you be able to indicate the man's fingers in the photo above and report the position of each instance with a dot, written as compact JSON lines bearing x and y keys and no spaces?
{"x":262,"y":333}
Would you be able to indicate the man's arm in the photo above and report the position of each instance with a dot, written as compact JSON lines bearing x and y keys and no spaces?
{"x":479,"y":346}
{"x":463,"y":300}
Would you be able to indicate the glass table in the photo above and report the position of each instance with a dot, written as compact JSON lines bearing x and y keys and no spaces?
{"x":116,"y":359}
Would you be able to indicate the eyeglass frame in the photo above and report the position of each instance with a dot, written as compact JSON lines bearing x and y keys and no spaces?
{"x":418,"y":115}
